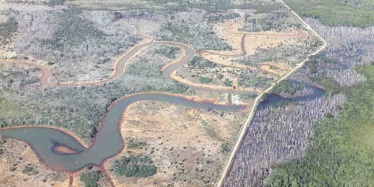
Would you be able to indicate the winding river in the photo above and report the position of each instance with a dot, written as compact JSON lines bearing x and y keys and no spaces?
{"x":274,"y":99}
{"x":108,"y":141}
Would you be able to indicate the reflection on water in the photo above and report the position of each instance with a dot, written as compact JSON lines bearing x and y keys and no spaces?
{"x":108,"y":141}
{"x":275,"y":99}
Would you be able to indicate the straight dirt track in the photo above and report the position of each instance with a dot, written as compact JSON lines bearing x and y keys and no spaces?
{"x":169,"y":69}
{"x":253,"y":109}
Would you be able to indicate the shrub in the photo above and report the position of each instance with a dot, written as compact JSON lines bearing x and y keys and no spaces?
{"x":1,"y":146}
{"x":30,"y":170}
{"x":205,"y":80}
{"x":91,"y":178}
{"x":55,"y":2}
{"x":199,"y":63}
{"x":330,"y":85}
{"x":133,"y":144}
{"x":225,"y":147}
{"x":285,"y":87}
{"x":134,"y":166}
{"x":7,"y":29}
{"x":168,"y":51}
{"x":227,"y":82}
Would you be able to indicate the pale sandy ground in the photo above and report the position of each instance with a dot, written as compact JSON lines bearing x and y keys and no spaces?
{"x":162,"y":130}
{"x":17,"y":155}
{"x":176,"y":137}
{"x":267,"y":69}
{"x":254,"y":42}
{"x":177,"y":78}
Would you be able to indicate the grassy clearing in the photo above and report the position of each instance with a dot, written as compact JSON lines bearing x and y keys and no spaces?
{"x":340,"y":153}
{"x":358,"y":13}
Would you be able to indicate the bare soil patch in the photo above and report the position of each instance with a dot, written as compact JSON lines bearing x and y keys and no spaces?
{"x":19,"y":166}
{"x":185,"y":144}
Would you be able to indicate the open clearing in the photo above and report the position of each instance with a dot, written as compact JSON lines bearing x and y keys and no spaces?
{"x":231,"y":66}
{"x":188,"y":148}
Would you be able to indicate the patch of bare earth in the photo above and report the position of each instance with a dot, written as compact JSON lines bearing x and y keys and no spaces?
{"x":234,"y":63}
{"x":186,"y":145}
{"x":19,"y":166}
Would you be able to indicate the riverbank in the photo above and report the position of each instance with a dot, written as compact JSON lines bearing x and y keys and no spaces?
{"x":257,"y":100}
{"x":19,"y":166}
{"x":339,"y":144}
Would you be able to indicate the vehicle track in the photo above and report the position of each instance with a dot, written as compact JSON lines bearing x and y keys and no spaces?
{"x":168,"y":70}
{"x":230,"y":161}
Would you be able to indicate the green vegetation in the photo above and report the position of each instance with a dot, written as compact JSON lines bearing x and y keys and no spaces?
{"x":199,"y":62}
{"x":265,"y":97}
{"x":11,"y":107}
{"x":213,"y":6}
{"x":79,"y":37}
{"x":133,"y":144}
{"x":339,"y":154}
{"x":168,"y":51}
{"x":226,"y":147}
{"x":367,"y":134}
{"x":249,"y":81}
{"x":30,"y":170}
{"x":91,"y":178}
{"x":1,"y":146}
{"x":7,"y":29}
{"x":134,"y":166}
{"x":177,"y":88}
{"x":270,"y":21}
{"x":248,"y":96}
{"x":7,"y":105}
{"x":208,"y":129}
{"x":330,"y":85}
{"x":222,"y":16}
{"x":55,"y":2}
{"x":72,"y":31}
{"x":205,"y":80}
{"x":358,"y":13}
{"x":227,"y":82}
{"x":192,"y":29}
{"x":281,"y":104}
{"x":285,"y":87}
{"x":313,"y":61}
{"x":318,"y":75}
{"x":65,"y":107}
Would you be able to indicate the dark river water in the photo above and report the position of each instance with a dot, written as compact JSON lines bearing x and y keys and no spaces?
{"x":275,"y":99}
{"x":108,"y":141}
